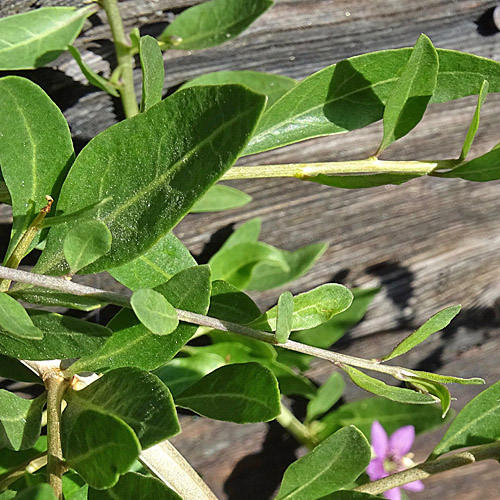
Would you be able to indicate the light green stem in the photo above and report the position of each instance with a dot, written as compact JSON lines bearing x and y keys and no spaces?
{"x":296,"y":428}
{"x":124,"y":58}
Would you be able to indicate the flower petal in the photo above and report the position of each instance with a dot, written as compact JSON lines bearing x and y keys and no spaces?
{"x":379,"y":440}
{"x":401,"y":442}
{"x":414,"y":486}
{"x":376,"y":469}
{"x":394,"y":494}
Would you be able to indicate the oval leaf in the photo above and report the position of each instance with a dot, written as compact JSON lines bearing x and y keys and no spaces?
{"x":241,"y":393}
{"x":154,"y":311}
{"x":15,"y":320}
{"x":361,"y":181}
{"x":284,"y":317}
{"x":481,"y":169}
{"x":153,"y":72}
{"x":219,"y":198}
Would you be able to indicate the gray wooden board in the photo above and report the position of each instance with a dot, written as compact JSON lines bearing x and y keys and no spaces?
{"x":429,"y":243}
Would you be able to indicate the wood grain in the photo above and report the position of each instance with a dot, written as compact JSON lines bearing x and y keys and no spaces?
{"x":429,"y":243}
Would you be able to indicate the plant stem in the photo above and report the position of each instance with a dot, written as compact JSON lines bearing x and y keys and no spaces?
{"x":124,"y":58}
{"x":296,"y":428}
{"x":370,"y":165}
{"x":56,"y":385}
{"x":423,"y":471}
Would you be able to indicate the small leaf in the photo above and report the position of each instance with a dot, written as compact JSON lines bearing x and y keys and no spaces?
{"x":15,"y":320}
{"x":92,"y":77}
{"x":273,"y":86}
{"x":411,"y":93}
{"x":334,"y":463}
{"x":434,"y":389}
{"x":154,"y":311}
{"x":471,"y":133}
{"x":481,"y":169}
{"x":284,"y":317}
{"x":380,"y":388}
{"x":212,"y":23}
{"x":133,"y":486}
{"x":100,"y":447}
{"x":241,"y":393}
{"x":361,"y":181}
{"x":408,"y":375}
{"x":327,"y":395}
{"x":478,"y":423}
{"x":20,"y":420}
{"x":310,"y":308}
{"x":436,"y":323}
{"x":246,"y":233}
{"x":33,"y":39}
{"x":219,"y":198}
{"x":168,"y":257}
{"x":85,"y":243}
{"x":153,"y":72}
{"x":39,"y":492}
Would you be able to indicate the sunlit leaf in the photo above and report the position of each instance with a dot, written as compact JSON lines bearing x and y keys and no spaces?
{"x":327,"y":395}
{"x":284,"y":314}
{"x":153,"y":72}
{"x":154,"y":311}
{"x":15,"y":320}
{"x":481,"y":169}
{"x":219,"y":198}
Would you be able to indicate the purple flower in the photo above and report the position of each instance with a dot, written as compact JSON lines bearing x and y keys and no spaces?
{"x":392,"y":455}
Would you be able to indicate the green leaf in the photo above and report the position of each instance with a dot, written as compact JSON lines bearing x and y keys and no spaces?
{"x":390,"y":414}
{"x":349,"y":495}
{"x":241,"y":393}
{"x":14,"y":319}
{"x":153,"y":72}
{"x":15,"y":370}
{"x":352,"y":94}
{"x":46,"y":297}
{"x":481,"y":169}
{"x":411,"y":93}
{"x":9,"y":495}
{"x":436,"y":323}
{"x":361,"y":181}
{"x":134,"y":345}
{"x":154,"y":311}
{"x":434,"y":389}
{"x":478,"y":423}
{"x":35,"y":38}
{"x":157,"y":265}
{"x":137,"y":397}
{"x":474,"y":125}
{"x":85,"y":243}
{"x":246,"y":233}
{"x":334,"y":463}
{"x":219,"y":198}
{"x":133,"y":486}
{"x":408,"y":375}
{"x":11,"y":460}
{"x":84,"y":213}
{"x":212,"y":23}
{"x":327,"y":395}
{"x":100,"y":447}
{"x":20,"y":420}
{"x":39,"y":492}
{"x":380,"y":388}
{"x":35,"y":150}
{"x":273,"y":86}
{"x":290,"y":383}
{"x":284,"y":317}
{"x":64,"y":337}
{"x":195,"y":134}
{"x":92,"y":77}
{"x":310,"y":308}
{"x":257,"y":348}
{"x":265,"y":276}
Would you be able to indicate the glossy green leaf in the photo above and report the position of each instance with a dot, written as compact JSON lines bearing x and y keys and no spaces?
{"x":352,"y":94}
{"x":241,"y":393}
{"x":390,"y":414}
{"x":212,"y":23}
{"x":33,"y":39}
{"x":327,"y":395}
{"x":153,"y":72}
{"x":411,"y":93}
{"x":92,"y":77}
{"x":326,"y":334}
{"x":284,"y":314}
{"x":11,"y":460}
{"x":219,"y":198}
{"x":334,"y":463}
{"x":361,"y":181}
{"x":265,"y":276}
{"x":434,"y":389}
{"x":436,"y":323}
{"x":311,"y":308}
{"x":230,"y":304}
{"x":135,"y":396}
{"x":380,"y":388}
{"x":195,"y":134}
{"x":134,"y":345}
{"x":481,"y":169}
{"x":63,"y":337}
{"x":273,"y":86}
{"x":14,"y":319}
{"x":100,"y":447}
{"x":477,"y":423}
{"x":20,"y":420}
{"x":154,"y":311}
{"x":474,"y":125}
{"x":157,"y":265}
{"x":85,"y":243}
{"x":39,"y":492}
{"x":35,"y":150}
{"x":133,"y":486}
